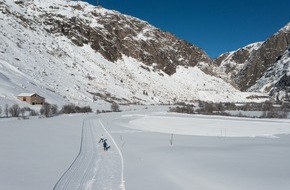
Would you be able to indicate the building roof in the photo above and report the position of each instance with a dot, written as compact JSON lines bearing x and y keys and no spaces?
{"x":26,"y":94}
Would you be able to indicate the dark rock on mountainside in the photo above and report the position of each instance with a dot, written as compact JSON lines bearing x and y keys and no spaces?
{"x":217,"y":61}
{"x":246,"y":66}
{"x":121,"y":34}
{"x":281,"y":90}
{"x":239,"y":57}
{"x":259,"y":62}
{"x":229,"y":64}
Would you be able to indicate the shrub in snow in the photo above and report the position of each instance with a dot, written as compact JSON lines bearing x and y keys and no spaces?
{"x":220,"y":107}
{"x":6,"y":110}
{"x":33,"y":113}
{"x":14,"y":110}
{"x":48,"y":109}
{"x":85,"y":109}
{"x":115,"y":107}
{"x":184,"y":109}
{"x":230,"y":106}
{"x":22,"y":112}
{"x":285,"y":107}
{"x":275,"y":114}
{"x":205,"y":107}
{"x":267,"y":106}
{"x":45,"y":109}
{"x":71,"y":108}
{"x":54,"y":109}
{"x":268,"y":109}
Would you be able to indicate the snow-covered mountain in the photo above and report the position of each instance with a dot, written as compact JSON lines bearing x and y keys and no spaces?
{"x":264,"y":58}
{"x":70,"y":51}
{"x":229,"y":64}
{"x":260,"y":67}
{"x":276,"y":79}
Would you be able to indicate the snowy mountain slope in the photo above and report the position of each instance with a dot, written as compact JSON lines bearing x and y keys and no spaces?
{"x":259,"y":67}
{"x":40,"y":54}
{"x":276,"y":79}
{"x":113,"y":35}
{"x":229,"y":64}
{"x":263,"y":58}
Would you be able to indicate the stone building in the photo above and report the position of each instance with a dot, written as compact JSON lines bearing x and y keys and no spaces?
{"x":31,"y":98}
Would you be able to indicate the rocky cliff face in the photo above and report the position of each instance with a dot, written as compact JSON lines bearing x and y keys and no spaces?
{"x":262,"y":59}
{"x":116,"y":34}
{"x":228,"y":65}
{"x":276,"y":80}
{"x":262,"y":66}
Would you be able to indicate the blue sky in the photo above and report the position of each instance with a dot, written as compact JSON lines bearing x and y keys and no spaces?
{"x":215,"y":26}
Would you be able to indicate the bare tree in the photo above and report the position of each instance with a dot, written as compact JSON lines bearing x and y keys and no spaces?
{"x":45,"y":109}
{"x":54,"y":109}
{"x":220,"y":107}
{"x":0,"y":110}
{"x":14,"y":110}
{"x":22,"y":111}
{"x":33,"y":113}
{"x":70,"y":108}
{"x":6,"y":110}
{"x":115,"y":107}
{"x":267,"y":106}
{"x":208,"y":108}
{"x":268,"y":111}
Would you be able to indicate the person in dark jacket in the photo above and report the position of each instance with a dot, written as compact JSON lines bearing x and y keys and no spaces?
{"x":105,"y":144}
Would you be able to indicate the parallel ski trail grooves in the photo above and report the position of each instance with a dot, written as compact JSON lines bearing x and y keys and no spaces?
{"x":80,"y":170}
{"x":122,"y":185}
{"x":93,"y":169}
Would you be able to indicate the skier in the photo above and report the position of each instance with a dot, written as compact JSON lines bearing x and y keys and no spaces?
{"x":105,"y":144}
{"x":101,"y":139}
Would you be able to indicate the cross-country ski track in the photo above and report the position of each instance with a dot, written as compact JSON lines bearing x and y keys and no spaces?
{"x":94,"y":168}
{"x":160,"y":150}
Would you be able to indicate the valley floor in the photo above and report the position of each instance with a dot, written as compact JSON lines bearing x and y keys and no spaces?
{"x":149,"y":150}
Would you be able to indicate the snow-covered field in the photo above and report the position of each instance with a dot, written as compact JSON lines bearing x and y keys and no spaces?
{"x":207,"y":153}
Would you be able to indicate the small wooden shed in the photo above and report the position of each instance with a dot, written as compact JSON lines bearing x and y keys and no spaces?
{"x":31,"y":98}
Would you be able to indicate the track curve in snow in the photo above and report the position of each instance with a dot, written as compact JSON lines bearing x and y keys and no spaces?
{"x":94,"y":168}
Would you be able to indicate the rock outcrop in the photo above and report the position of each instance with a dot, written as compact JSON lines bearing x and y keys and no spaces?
{"x":116,"y":34}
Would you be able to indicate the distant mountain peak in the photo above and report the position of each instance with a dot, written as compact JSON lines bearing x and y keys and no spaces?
{"x":261,"y":66}
{"x":285,"y":29}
